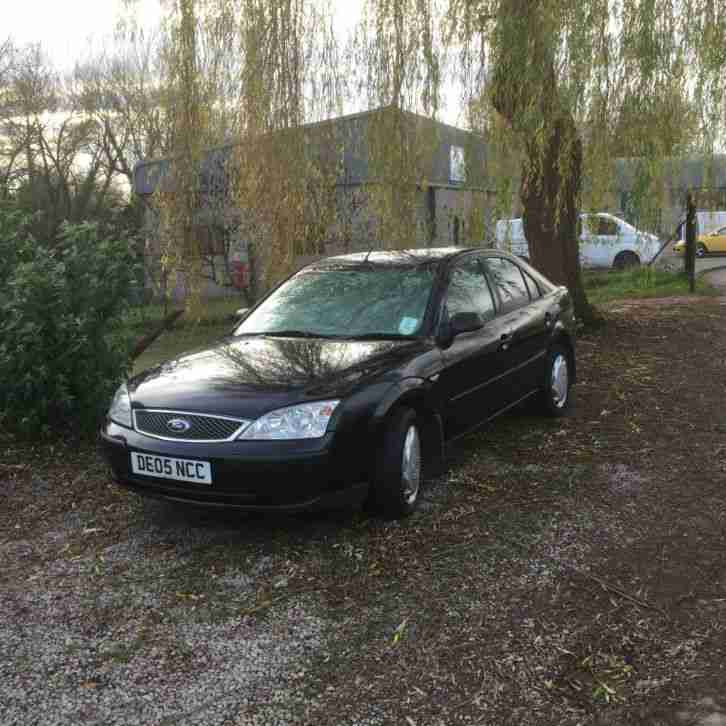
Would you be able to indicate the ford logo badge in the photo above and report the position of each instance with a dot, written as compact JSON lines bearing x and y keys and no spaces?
{"x":178,"y":425}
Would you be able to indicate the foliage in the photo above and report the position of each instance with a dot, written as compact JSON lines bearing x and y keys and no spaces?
{"x":278,"y":195}
{"x":569,"y":84}
{"x":62,"y":347}
{"x":59,"y":155}
{"x":13,"y":231}
{"x":398,"y":54}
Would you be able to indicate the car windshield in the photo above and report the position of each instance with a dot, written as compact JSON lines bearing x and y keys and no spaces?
{"x":357,"y":302}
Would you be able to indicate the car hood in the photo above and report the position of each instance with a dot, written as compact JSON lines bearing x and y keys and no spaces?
{"x":246,"y":377}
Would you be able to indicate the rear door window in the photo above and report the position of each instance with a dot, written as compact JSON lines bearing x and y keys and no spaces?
{"x":508,"y":282}
{"x":469,"y":290}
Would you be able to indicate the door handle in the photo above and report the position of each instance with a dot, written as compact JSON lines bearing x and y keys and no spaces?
{"x":505,"y":340}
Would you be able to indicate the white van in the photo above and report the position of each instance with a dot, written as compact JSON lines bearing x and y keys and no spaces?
{"x":605,"y":241}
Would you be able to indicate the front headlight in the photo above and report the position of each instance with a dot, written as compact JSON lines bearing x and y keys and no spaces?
{"x":306,"y":421}
{"x":120,"y":409}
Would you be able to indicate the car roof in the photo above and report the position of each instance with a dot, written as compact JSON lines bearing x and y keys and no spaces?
{"x":393,"y":258}
{"x":414,"y":258}
{"x":397,"y":258}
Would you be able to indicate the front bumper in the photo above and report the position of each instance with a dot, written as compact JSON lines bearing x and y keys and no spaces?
{"x":285,"y":476}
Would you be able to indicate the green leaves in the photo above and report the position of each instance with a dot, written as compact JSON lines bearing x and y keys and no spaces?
{"x":62,"y":345}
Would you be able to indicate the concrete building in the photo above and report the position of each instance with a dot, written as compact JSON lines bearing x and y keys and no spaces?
{"x":451,"y":197}
{"x":653,"y":195}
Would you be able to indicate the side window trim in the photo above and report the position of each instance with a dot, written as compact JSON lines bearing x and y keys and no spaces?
{"x":498,"y":304}
{"x":530,"y":282}
{"x":492,"y":291}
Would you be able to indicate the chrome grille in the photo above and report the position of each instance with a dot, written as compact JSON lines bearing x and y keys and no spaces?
{"x":202,"y":427}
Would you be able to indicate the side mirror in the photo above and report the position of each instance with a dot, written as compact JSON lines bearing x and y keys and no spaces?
{"x":237,"y":317}
{"x":465,"y":323}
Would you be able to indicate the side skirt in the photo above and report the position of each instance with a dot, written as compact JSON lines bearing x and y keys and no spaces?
{"x":491,"y":418}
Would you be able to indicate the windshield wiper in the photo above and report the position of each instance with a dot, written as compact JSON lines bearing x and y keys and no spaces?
{"x":293,"y":334}
{"x":381,"y":336}
{"x":308,"y":334}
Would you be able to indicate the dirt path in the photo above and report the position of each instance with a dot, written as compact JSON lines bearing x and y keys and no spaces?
{"x":563,"y":572}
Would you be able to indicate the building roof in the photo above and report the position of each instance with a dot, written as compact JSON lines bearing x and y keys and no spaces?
{"x":693,"y":172}
{"x":350,"y":133}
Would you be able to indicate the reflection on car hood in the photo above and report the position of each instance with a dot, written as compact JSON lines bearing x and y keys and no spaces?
{"x":246,"y":377}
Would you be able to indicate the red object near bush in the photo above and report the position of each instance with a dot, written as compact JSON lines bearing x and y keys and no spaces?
{"x":239,"y":272}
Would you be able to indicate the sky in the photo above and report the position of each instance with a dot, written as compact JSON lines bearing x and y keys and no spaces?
{"x":64,"y":28}
{"x":68,"y":29}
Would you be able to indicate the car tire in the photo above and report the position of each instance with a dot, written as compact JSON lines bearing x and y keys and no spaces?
{"x":701,"y":250}
{"x":398,"y":475}
{"x":626,"y":260}
{"x":555,"y":395}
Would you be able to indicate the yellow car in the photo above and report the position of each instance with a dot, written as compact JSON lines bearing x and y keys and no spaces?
{"x":712,"y":242}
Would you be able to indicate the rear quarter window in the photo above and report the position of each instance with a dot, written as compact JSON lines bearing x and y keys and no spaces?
{"x":532,"y":285}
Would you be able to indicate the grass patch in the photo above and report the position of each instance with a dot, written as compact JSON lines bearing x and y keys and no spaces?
{"x":640,"y":282}
{"x":180,"y":339}
{"x":194,"y":329}
{"x":212,"y":312}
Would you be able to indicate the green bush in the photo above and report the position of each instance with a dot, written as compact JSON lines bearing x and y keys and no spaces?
{"x":63,"y":349}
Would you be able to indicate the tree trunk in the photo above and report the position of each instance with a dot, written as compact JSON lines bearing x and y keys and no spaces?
{"x":523,"y":90}
{"x":550,"y":190}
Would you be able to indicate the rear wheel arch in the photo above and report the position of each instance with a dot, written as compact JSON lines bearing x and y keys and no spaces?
{"x":554,"y":397}
{"x":625,"y":259}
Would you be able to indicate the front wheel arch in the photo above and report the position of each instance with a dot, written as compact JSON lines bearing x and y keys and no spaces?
{"x":415,"y":393}
{"x":394,"y":494}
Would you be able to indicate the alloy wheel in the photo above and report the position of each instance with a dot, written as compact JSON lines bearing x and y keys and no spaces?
{"x":559,"y":381}
{"x":411,"y":465}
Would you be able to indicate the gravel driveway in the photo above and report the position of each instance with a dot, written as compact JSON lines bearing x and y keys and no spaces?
{"x":562,"y":572}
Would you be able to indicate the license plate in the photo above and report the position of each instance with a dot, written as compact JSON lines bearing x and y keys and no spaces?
{"x":164,"y":467}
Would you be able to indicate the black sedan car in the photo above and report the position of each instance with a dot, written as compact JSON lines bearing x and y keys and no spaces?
{"x":346,"y":383}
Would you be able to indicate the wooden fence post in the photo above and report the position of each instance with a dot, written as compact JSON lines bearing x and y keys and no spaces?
{"x":691,"y":242}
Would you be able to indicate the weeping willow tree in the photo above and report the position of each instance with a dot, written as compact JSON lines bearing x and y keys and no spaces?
{"x":245,"y":82}
{"x":177,"y":200}
{"x":198,"y":80}
{"x":288,"y":160}
{"x":398,"y":71}
{"x":553,"y":77}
